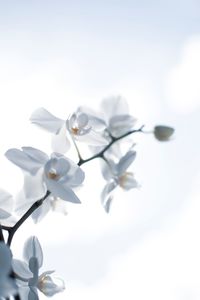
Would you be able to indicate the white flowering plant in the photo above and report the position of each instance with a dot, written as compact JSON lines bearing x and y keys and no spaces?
{"x":51,"y":180}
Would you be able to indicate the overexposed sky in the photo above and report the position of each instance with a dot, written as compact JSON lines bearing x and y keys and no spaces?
{"x":62,"y":54}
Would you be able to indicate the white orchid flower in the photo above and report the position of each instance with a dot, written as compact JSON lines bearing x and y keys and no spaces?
{"x":84,"y":128}
{"x":116,"y":175}
{"x":8,"y":286}
{"x":57,"y":174}
{"x":78,"y":125}
{"x":163,"y":133}
{"x":27,"y":273}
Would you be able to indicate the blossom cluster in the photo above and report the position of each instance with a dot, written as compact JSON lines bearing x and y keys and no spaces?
{"x":52,"y":180}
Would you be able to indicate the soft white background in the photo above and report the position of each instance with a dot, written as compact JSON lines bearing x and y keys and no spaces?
{"x":61,"y":54}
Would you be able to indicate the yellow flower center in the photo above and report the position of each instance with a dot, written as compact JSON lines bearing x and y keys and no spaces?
{"x":52,"y":175}
{"x":75,"y":130}
{"x":123,"y":178}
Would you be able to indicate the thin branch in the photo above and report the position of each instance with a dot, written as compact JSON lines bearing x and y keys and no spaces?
{"x":113,"y":140}
{"x":76,"y":147}
{"x":13,"y":229}
{"x":1,"y":234}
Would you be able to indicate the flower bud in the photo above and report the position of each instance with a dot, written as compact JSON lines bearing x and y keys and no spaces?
{"x":163,"y":133}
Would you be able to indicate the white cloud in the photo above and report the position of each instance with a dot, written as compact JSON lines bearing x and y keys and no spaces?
{"x":183,"y":81}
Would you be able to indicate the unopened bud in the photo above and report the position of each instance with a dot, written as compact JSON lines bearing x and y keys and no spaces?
{"x":163,"y":133}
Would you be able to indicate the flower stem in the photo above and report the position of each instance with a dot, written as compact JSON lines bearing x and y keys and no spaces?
{"x":13,"y":229}
{"x":1,"y":234}
{"x":113,"y":140}
{"x":76,"y":147}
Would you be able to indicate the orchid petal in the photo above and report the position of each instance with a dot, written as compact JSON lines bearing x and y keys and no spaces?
{"x":58,"y":205}
{"x":125,"y":162}
{"x":82,"y":120}
{"x":60,"y":143}
{"x":96,"y":120}
{"x":9,"y":222}
{"x":107,"y":204}
{"x":106,"y":197}
{"x":115,"y":105}
{"x":97,"y":124}
{"x":21,"y":269}
{"x":122,"y":120}
{"x":22,"y":160}
{"x":70,"y":121}
{"x":22,"y":203}
{"x":61,"y":190}
{"x":4,"y":214}
{"x":34,"y":187}
{"x":6,"y":200}
{"x":44,"y":119}
{"x":36,"y":154}
{"x":76,"y":176}
{"x":109,"y":187}
{"x":41,"y":211}
{"x":106,"y":170}
{"x":93,"y":138}
{"x":121,"y":124}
